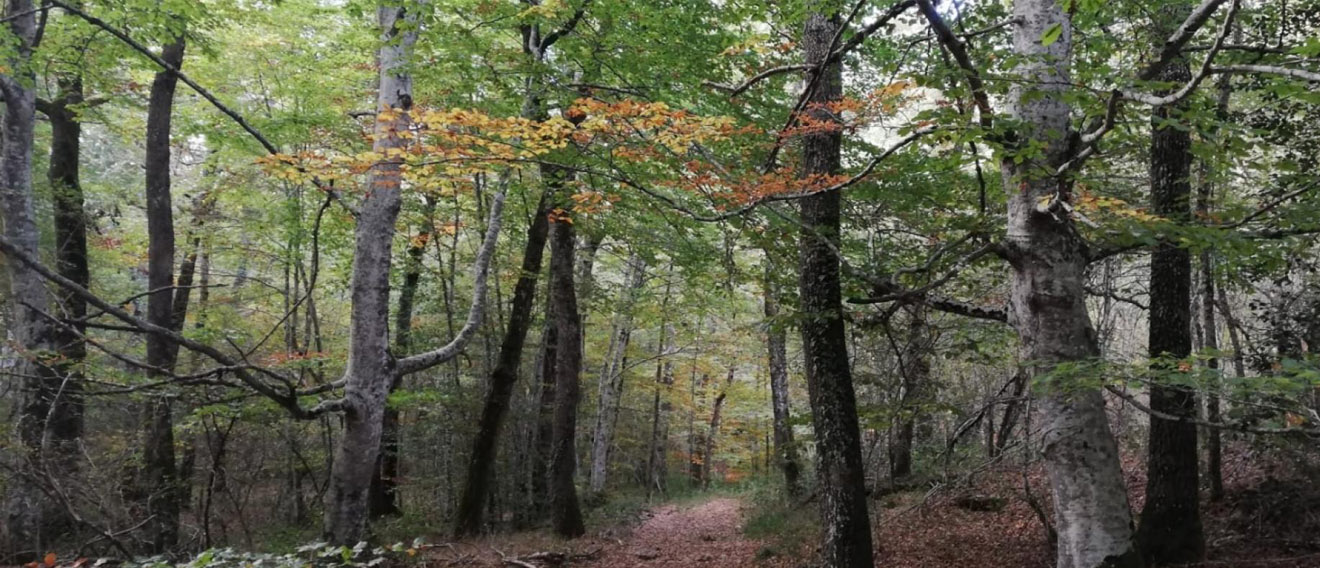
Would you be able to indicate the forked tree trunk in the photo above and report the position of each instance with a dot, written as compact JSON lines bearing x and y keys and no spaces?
{"x":1048,"y":305}
{"x":841,"y":474}
{"x":371,"y":368}
{"x":1170,"y":529}
{"x":716,"y":414}
{"x":565,"y":512}
{"x":479,"y":481}
{"x":776,"y":340}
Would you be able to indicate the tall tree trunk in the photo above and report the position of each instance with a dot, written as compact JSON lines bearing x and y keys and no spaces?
{"x":1214,"y":445}
{"x":610,"y":385}
{"x":716,"y":413}
{"x":776,"y":341}
{"x":847,"y":534}
{"x":914,"y":365}
{"x":158,"y":478}
{"x":545,"y":416}
{"x":25,"y":503}
{"x":64,"y":425}
{"x":383,"y":500}
{"x":657,"y":470}
{"x":1170,"y":529}
{"x":1048,"y":302}
{"x":371,"y":368}
{"x":479,"y":481}
{"x":565,"y":513}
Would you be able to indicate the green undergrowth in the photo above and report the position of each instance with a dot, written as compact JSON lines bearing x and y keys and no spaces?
{"x":784,"y":524}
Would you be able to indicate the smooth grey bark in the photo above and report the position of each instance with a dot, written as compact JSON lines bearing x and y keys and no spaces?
{"x":158,"y":492}
{"x":565,"y":512}
{"x":1170,"y":529}
{"x":1048,"y":303}
{"x":25,"y":503}
{"x":610,"y":384}
{"x":371,"y":368}
{"x":839,"y":467}
{"x":657,"y":467}
{"x":776,"y":342}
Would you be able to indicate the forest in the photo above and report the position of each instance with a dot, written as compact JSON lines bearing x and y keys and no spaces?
{"x":600,"y":283}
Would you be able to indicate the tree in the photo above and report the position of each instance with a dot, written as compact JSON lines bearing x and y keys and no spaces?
{"x":777,"y":358}
{"x":1170,"y":530}
{"x":565,"y":512}
{"x":26,"y":505}
{"x":1048,"y":306}
{"x":824,"y":344}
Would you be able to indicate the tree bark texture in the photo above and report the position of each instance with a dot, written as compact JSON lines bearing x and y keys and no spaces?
{"x":610,"y":385}
{"x":25,"y":503}
{"x":840,"y":472}
{"x":776,"y":340}
{"x":371,"y":368}
{"x":158,"y":488}
{"x":1170,"y":529}
{"x":1048,"y":304}
{"x":565,"y":512}
{"x":499,"y":393}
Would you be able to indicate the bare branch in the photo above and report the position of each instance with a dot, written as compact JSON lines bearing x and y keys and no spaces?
{"x":476,"y":312}
{"x":1201,"y":74}
{"x":1236,"y":426}
{"x":1173,"y":46}
{"x":959,"y":51}
{"x":1302,"y":74}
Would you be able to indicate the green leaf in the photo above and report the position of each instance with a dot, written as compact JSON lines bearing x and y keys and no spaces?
{"x":1051,"y":34}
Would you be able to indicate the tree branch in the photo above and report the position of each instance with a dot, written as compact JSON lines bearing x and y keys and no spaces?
{"x":476,"y":312}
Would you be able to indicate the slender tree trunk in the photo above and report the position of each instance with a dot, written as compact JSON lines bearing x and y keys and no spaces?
{"x":64,"y":425}
{"x":383,"y":500}
{"x":1214,"y":445}
{"x":1048,"y":302}
{"x":656,"y":466}
{"x":1011,"y":411}
{"x":1170,"y":530}
{"x":479,"y":481}
{"x":25,"y":503}
{"x":914,"y":364}
{"x":371,"y":369}
{"x":840,"y":472}
{"x":610,"y":386}
{"x":158,"y":478}
{"x":565,"y":513}
{"x":716,"y":413}
{"x":545,"y":373}
{"x":776,"y":340}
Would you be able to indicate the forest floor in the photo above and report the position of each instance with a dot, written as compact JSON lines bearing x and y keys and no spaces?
{"x":1267,"y":520}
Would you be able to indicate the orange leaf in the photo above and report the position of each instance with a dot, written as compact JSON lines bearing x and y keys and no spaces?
{"x":49,"y":560}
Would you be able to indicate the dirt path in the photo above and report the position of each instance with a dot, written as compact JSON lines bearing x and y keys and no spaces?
{"x":709,"y":533}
